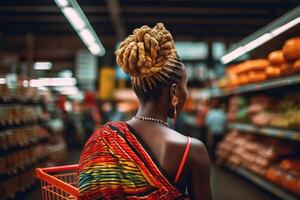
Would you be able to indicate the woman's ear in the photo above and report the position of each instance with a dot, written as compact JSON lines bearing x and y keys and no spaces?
{"x":173,"y":89}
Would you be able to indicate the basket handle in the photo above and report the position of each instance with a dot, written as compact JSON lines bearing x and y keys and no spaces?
{"x":41,"y":173}
{"x":60,"y":168}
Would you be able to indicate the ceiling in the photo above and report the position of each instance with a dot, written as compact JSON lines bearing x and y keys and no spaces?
{"x":41,"y":25}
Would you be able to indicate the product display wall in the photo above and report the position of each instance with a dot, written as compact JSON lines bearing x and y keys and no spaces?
{"x":25,"y":142}
{"x":262,"y":98}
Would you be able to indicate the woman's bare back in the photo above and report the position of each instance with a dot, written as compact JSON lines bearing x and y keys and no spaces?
{"x":167,"y":147}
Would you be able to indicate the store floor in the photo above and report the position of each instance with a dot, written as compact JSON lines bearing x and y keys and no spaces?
{"x":226,"y":185}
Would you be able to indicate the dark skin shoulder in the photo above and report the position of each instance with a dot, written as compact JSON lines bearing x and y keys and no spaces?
{"x":167,"y":147}
{"x":199,"y":173}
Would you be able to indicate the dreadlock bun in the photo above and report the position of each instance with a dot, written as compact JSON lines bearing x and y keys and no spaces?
{"x":149,"y":57}
{"x":146,"y":50}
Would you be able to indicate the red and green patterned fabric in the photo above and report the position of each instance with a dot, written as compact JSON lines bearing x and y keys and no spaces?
{"x":115,"y":164}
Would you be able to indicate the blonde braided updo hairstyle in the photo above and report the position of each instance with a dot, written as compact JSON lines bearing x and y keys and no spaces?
{"x":149,"y":57}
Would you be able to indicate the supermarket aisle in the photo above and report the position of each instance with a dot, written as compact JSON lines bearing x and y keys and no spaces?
{"x":225,"y":184}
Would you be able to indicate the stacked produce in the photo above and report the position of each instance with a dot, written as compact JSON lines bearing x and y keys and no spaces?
{"x":289,"y":112}
{"x":263,"y":110}
{"x":286,"y":174}
{"x":237,"y":109}
{"x":279,"y":63}
{"x":270,"y":158}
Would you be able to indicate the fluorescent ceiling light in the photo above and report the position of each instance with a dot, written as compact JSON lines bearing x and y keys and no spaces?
{"x":82,"y":26}
{"x":35,"y":83}
{"x":43,"y":82}
{"x":95,"y":49}
{"x":2,"y":80}
{"x":73,"y":17}
{"x":63,"y":82}
{"x":233,"y":55}
{"x":62,"y":3}
{"x":258,"y":41}
{"x":285,"y":27}
{"x":87,"y":36}
{"x":42,"y":65}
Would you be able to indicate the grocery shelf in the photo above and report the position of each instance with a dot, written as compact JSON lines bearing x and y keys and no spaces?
{"x":8,"y":124}
{"x":277,"y":191}
{"x":270,"y":84}
{"x":26,"y":167}
{"x":267,"y":131}
{"x":20,"y":169}
{"x":13,"y":100}
{"x":271,"y":31}
{"x":31,"y":142}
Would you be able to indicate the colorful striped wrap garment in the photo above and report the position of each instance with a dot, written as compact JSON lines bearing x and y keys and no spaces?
{"x":115,"y":165}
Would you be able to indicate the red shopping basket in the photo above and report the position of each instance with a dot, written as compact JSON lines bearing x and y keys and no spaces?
{"x":59,"y":182}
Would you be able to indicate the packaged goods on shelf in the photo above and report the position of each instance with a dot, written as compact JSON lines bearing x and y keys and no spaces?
{"x":21,"y":158}
{"x":289,"y":117}
{"x":290,"y":180}
{"x":24,"y":141}
{"x":252,"y":149}
{"x":17,"y":184}
{"x":237,"y":109}
{"x":17,"y":167}
{"x":18,"y":137}
{"x":265,"y":110}
{"x":18,"y":93}
{"x":279,"y":63}
{"x":14,"y":114}
{"x":271,"y":158}
{"x":290,"y":164}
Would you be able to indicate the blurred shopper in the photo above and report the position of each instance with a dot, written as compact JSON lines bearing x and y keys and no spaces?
{"x":180,"y":125}
{"x":88,"y":123}
{"x":202,"y":110}
{"x":69,"y":129}
{"x":91,"y":118}
{"x":112,"y":113}
{"x":216,"y":124}
{"x":143,"y":158}
{"x":61,"y":102}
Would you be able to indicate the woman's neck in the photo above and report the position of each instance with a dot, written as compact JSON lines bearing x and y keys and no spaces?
{"x":154,"y":110}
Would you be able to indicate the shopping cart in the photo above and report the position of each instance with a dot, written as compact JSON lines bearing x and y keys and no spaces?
{"x":59,"y":182}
